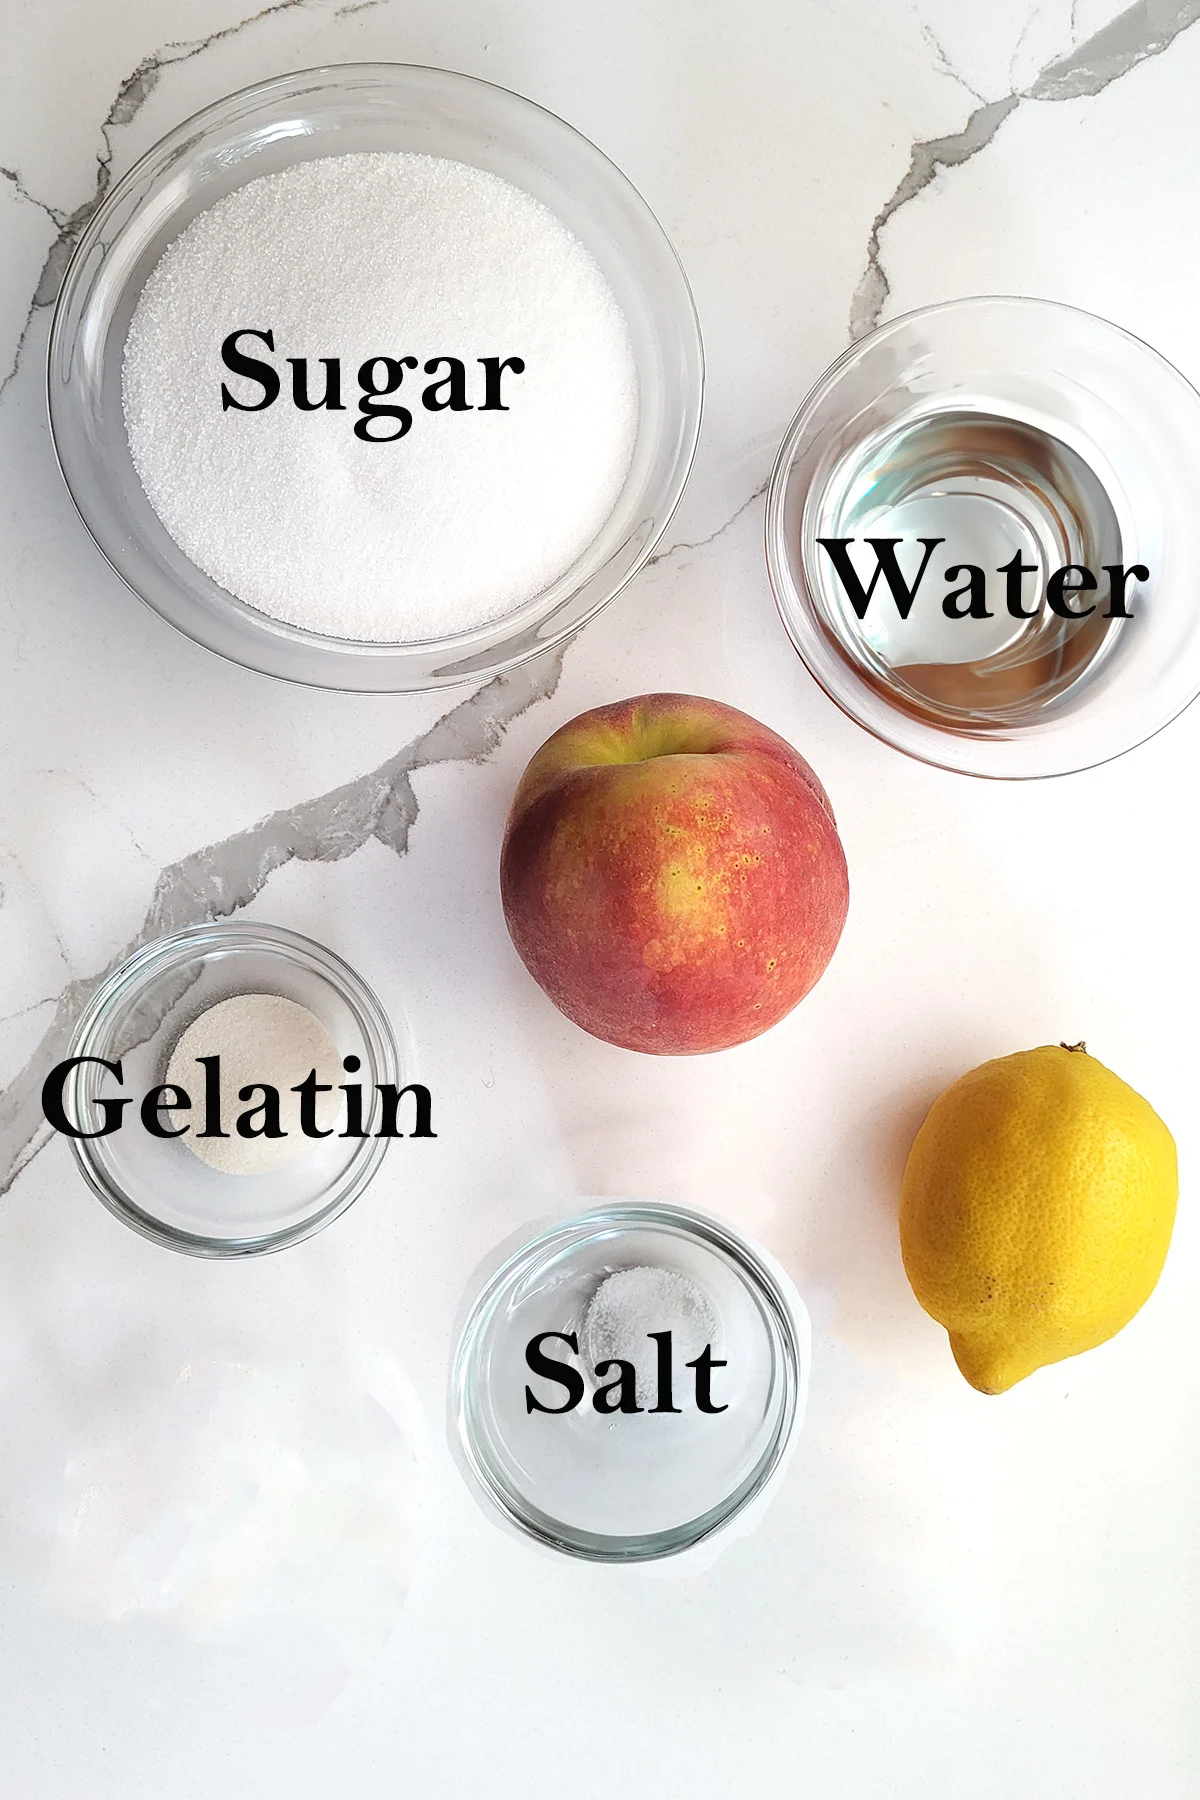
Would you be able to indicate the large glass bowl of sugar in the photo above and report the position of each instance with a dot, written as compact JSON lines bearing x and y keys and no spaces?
{"x":344,"y":110}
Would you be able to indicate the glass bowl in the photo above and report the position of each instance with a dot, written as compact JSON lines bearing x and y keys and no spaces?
{"x":629,"y":1486}
{"x":138,"y":1015}
{"x":999,"y":425}
{"x":334,"y":111}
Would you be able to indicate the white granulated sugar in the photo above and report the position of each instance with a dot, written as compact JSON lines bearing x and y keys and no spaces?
{"x":469,"y":514}
{"x":260,"y":1038}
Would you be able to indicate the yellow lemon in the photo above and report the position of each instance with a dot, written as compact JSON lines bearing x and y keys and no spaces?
{"x":1036,"y":1210}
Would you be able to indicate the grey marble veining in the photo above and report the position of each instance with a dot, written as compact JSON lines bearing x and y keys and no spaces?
{"x":949,"y":1593}
{"x":128,"y":101}
{"x":222,"y":878}
{"x":225,"y":876}
{"x":1143,"y":30}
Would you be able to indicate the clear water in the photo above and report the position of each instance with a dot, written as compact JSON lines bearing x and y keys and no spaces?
{"x":990,"y":486}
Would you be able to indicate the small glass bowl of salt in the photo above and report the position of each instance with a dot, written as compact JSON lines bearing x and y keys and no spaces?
{"x":628,"y":1383}
{"x":214,"y":1015}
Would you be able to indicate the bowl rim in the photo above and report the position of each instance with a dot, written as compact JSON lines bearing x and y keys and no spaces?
{"x":133,"y":970}
{"x":790,"y":1331}
{"x":782,"y":587}
{"x":379,"y":654}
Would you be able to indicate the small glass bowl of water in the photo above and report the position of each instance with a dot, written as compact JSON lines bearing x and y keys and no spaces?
{"x":628,"y":1382}
{"x":933,"y":485}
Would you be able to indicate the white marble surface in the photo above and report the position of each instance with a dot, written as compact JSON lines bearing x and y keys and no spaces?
{"x":235,"y":1555}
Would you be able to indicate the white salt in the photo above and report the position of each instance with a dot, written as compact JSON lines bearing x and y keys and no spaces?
{"x":260,"y":1039}
{"x":363,"y":256}
{"x":631,"y":1304}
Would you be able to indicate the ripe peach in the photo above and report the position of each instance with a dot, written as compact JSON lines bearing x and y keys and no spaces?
{"x":671,"y":874}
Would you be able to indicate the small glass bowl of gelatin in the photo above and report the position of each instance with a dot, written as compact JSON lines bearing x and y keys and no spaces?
{"x":936,"y":511}
{"x":653,"y":1457}
{"x":136,"y":1018}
